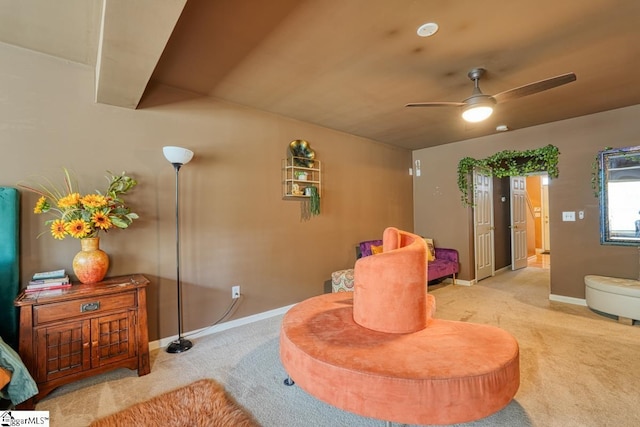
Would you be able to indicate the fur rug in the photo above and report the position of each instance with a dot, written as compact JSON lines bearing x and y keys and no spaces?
{"x":202,"y":403}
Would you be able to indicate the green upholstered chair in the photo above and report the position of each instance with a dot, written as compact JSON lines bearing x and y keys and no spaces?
{"x":9,"y":263}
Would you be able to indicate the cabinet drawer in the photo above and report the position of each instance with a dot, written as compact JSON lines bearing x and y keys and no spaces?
{"x":82,"y":307}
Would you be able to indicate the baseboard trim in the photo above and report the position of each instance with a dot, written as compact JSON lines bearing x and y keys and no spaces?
{"x":163,"y":342}
{"x":461,"y":282}
{"x":568,"y":300}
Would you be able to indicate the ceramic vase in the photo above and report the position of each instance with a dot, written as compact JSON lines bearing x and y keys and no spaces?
{"x":90,"y":265}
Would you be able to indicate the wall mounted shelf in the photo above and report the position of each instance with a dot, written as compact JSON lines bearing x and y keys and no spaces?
{"x":298,"y":173}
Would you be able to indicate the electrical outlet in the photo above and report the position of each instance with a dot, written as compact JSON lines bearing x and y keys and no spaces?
{"x":235,"y":292}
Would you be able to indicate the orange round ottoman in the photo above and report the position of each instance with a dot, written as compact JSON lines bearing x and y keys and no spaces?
{"x":450,"y":372}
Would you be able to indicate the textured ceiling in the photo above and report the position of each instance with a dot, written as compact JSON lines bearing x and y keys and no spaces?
{"x":349,"y":65}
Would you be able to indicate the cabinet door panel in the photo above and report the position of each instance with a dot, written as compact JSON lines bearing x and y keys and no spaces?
{"x":62,"y":350}
{"x":113,"y":338}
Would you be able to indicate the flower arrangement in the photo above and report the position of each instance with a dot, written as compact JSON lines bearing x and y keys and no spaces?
{"x":84,"y":216}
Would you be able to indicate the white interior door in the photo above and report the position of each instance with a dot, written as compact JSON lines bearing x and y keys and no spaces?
{"x":518,"y":222}
{"x":483,"y":225}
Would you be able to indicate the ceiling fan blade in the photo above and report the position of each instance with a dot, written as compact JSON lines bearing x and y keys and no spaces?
{"x":435,"y":104}
{"x":531,"y":88}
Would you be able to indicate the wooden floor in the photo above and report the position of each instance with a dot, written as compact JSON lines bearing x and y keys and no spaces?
{"x":540,"y":261}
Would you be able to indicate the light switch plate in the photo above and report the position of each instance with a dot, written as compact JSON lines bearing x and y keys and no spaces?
{"x":568,"y":216}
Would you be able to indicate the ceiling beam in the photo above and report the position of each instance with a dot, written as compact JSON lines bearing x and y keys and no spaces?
{"x":133,"y":35}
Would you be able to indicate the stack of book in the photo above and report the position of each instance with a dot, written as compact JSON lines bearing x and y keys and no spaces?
{"x":49,"y":280}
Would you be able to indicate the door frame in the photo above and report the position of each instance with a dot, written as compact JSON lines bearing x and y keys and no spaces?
{"x":545,"y":223}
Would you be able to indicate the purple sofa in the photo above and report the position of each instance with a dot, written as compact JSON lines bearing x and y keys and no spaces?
{"x":446,"y":262}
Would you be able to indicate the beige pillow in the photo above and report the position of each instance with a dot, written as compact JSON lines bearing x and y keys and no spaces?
{"x":431,"y":250}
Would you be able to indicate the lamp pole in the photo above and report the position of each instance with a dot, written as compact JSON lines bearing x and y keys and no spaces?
{"x":178,"y":157}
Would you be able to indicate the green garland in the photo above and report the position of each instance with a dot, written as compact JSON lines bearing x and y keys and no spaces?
{"x":507,"y":163}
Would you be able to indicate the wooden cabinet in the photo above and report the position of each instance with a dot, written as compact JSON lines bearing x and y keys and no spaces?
{"x":66,"y":335}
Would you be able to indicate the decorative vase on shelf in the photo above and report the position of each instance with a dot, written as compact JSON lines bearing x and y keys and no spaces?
{"x":90,"y":265}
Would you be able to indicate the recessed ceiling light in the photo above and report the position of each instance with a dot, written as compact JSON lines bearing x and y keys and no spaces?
{"x":502,"y":128}
{"x":428,"y":29}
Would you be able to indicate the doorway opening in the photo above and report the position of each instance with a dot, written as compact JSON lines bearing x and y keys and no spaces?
{"x":506,"y":233}
{"x":539,"y":242}
{"x":511,"y":223}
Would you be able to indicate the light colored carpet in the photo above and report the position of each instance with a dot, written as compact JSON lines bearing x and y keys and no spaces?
{"x":578,"y":368}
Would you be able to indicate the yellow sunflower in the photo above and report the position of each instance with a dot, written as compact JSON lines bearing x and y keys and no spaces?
{"x":82,"y":215}
{"x":78,"y":228}
{"x":58,"y":229}
{"x":101,"y":220}
{"x":69,"y":201}
{"x":41,"y":206}
{"x":91,"y":201}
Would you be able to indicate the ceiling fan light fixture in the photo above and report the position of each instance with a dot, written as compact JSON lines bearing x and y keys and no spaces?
{"x":477,"y":113}
{"x":479,"y":107}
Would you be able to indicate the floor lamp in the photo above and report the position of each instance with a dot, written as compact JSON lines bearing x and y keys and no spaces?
{"x":178,"y":157}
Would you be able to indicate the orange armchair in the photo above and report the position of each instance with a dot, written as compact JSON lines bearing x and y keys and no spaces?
{"x":390,"y":289}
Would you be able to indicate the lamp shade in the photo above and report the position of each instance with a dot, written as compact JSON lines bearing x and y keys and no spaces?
{"x":178,"y":155}
{"x":477,"y":113}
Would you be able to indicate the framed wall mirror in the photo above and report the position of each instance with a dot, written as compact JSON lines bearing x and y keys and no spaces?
{"x":620,"y":196}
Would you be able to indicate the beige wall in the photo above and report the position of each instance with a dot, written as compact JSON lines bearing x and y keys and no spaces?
{"x":575,"y":246}
{"x":236,"y":229}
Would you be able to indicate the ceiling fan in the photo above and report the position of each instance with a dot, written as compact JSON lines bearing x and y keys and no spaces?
{"x":479,"y":106}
